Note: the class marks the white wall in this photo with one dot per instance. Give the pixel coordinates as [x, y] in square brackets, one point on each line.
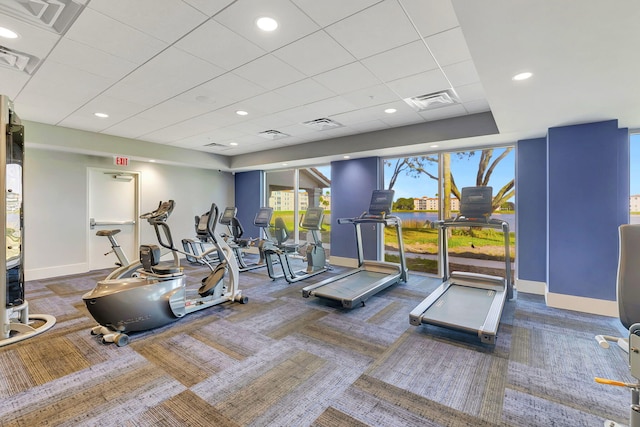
[55, 205]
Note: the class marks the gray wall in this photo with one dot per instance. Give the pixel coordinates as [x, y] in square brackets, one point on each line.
[56, 205]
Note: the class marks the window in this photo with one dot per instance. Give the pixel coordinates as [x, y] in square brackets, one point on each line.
[290, 192]
[428, 188]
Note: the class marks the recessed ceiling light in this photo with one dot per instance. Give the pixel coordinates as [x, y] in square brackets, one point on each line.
[241, 113]
[101, 115]
[7, 33]
[233, 143]
[390, 110]
[434, 145]
[267, 24]
[346, 157]
[152, 161]
[284, 164]
[522, 76]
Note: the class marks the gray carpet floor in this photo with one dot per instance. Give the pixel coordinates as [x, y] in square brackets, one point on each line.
[284, 360]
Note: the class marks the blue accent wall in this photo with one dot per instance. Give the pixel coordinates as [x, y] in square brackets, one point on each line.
[531, 212]
[248, 199]
[352, 182]
[588, 199]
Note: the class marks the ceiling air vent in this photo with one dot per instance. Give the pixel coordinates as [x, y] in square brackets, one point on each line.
[273, 134]
[433, 100]
[56, 15]
[17, 60]
[214, 145]
[322, 124]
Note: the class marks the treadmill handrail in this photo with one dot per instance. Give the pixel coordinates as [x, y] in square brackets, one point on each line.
[462, 221]
[386, 220]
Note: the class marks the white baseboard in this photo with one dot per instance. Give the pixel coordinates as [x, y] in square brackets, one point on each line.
[531, 287]
[343, 262]
[583, 304]
[59, 270]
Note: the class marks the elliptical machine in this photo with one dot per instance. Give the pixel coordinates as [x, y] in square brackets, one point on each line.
[159, 295]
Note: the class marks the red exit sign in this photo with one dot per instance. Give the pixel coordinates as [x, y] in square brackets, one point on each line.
[121, 161]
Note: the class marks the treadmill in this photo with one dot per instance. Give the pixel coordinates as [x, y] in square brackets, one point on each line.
[469, 302]
[370, 277]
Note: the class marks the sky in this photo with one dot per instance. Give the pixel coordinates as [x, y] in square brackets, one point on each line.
[464, 172]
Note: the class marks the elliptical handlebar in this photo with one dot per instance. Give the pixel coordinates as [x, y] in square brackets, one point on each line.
[161, 213]
[214, 212]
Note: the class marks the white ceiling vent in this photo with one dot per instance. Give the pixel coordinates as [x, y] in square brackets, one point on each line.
[433, 100]
[322, 124]
[273, 134]
[17, 60]
[56, 15]
[214, 145]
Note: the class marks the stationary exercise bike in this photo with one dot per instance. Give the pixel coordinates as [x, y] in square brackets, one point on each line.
[159, 295]
[237, 241]
[315, 253]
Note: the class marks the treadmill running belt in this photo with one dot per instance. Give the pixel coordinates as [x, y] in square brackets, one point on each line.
[453, 306]
[351, 286]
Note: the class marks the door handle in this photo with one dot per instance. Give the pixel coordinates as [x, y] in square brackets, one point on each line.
[93, 223]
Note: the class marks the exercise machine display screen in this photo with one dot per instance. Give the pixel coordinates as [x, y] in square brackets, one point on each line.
[476, 202]
[263, 217]
[228, 214]
[381, 202]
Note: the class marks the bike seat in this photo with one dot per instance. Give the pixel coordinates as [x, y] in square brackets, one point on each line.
[107, 232]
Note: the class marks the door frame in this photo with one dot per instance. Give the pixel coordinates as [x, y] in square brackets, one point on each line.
[136, 227]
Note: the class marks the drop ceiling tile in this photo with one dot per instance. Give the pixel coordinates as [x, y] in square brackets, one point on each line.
[172, 133]
[172, 111]
[479, 106]
[330, 106]
[269, 72]
[414, 57]
[241, 18]
[431, 16]
[449, 47]
[124, 41]
[305, 92]
[209, 7]
[368, 97]
[347, 78]
[462, 73]
[420, 84]
[12, 82]
[443, 113]
[221, 91]
[71, 84]
[471, 92]
[166, 75]
[167, 20]
[270, 102]
[43, 109]
[314, 54]
[374, 30]
[302, 114]
[117, 110]
[91, 60]
[326, 12]
[134, 127]
[369, 126]
[226, 49]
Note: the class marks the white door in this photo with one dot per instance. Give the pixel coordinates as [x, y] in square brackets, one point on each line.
[113, 202]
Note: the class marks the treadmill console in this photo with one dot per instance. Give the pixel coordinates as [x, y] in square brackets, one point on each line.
[476, 202]
[381, 202]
